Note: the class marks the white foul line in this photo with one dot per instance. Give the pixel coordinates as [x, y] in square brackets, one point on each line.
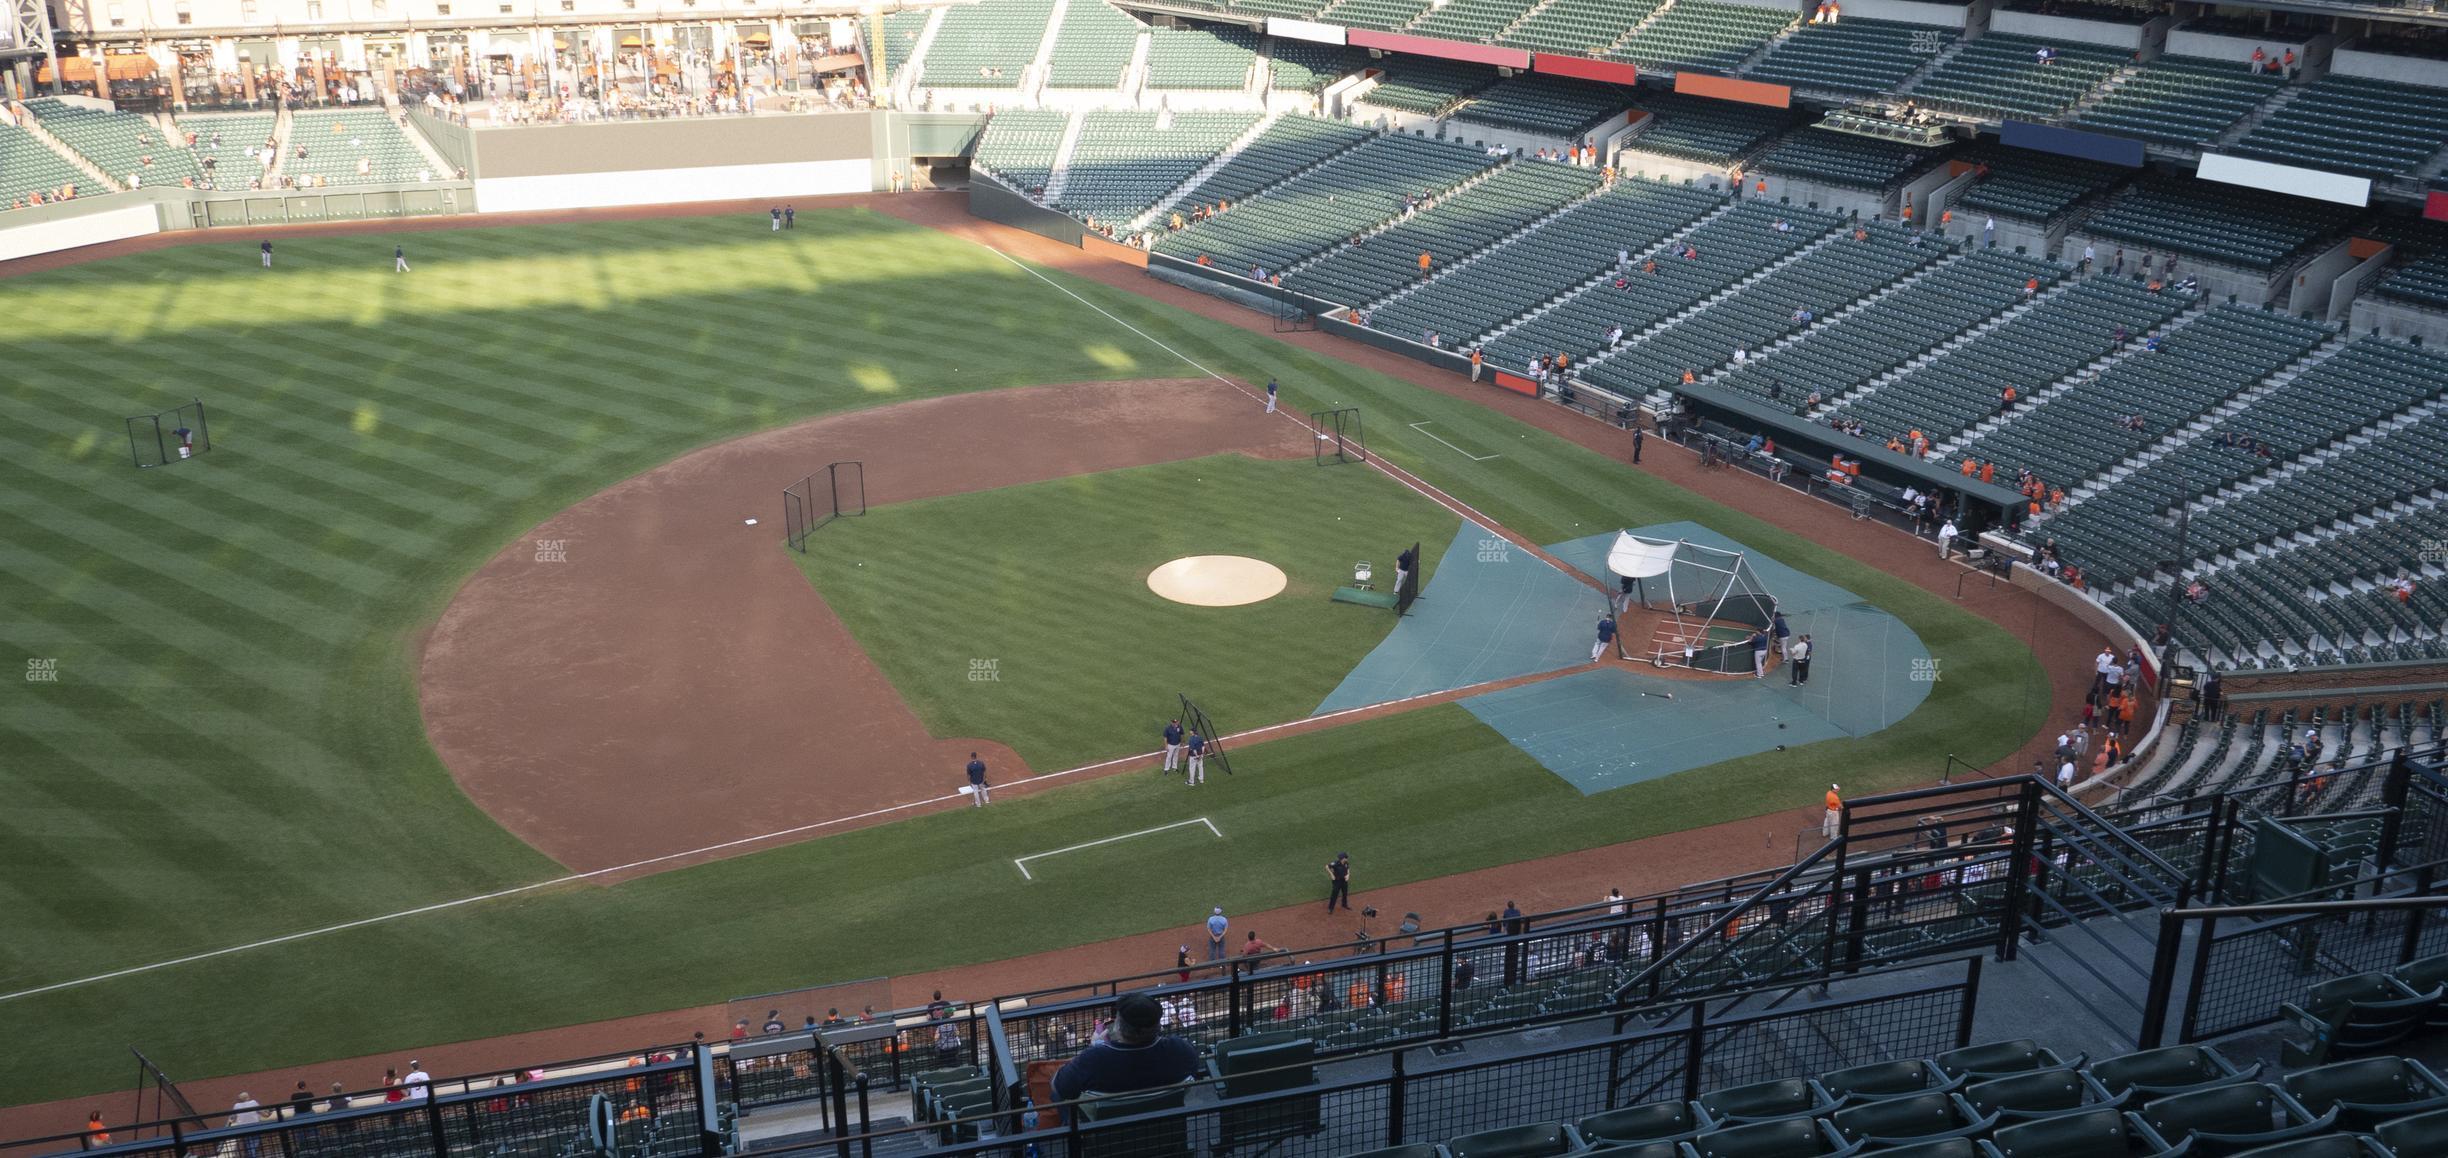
[1422, 427]
[1447, 501]
[1021, 862]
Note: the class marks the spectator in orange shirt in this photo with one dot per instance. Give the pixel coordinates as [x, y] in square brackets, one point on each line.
[1988, 472]
[1970, 467]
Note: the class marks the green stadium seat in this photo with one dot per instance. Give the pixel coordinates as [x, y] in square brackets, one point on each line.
[1200, 59]
[1257, 1065]
[2100, 1133]
[1886, 1079]
[2368, 1091]
[1128, 1139]
[1797, 1137]
[1516, 1142]
[2324, 1146]
[1909, 1120]
[1999, 1058]
[1764, 1101]
[1093, 45]
[2417, 1136]
[2173, 1069]
[2362, 1014]
[2232, 1118]
[1653, 1122]
[2037, 1094]
[986, 45]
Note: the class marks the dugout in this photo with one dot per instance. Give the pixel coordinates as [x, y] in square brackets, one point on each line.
[1883, 472]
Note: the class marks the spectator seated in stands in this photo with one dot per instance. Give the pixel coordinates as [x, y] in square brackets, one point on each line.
[1132, 1055]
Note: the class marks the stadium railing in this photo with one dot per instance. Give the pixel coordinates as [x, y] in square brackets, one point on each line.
[664, 1107]
[1393, 1095]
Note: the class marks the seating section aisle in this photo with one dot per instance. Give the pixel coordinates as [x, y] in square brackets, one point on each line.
[1286, 147]
[1729, 248]
[1842, 159]
[1019, 146]
[1092, 46]
[985, 45]
[1578, 27]
[130, 148]
[1331, 203]
[2355, 124]
[1428, 87]
[1867, 56]
[1471, 20]
[351, 146]
[1850, 351]
[1208, 59]
[901, 31]
[2001, 76]
[1700, 129]
[1300, 66]
[2178, 100]
[1830, 278]
[2234, 226]
[2362, 384]
[2031, 185]
[2076, 435]
[1452, 229]
[2057, 336]
[1703, 34]
[1536, 268]
[1541, 104]
[1123, 162]
[29, 167]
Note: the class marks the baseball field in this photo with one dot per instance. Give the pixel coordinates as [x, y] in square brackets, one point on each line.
[464, 603]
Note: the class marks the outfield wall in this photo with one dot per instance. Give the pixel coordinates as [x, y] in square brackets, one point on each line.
[661, 162]
[159, 209]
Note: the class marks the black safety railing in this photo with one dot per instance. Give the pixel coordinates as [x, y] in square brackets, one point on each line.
[659, 1104]
[2223, 968]
[1400, 1094]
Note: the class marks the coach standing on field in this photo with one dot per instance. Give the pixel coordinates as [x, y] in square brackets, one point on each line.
[1173, 744]
[977, 781]
[1338, 877]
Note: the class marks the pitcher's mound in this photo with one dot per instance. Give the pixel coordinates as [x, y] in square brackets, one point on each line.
[1217, 580]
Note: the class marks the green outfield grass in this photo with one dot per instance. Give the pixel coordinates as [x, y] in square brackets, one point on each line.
[232, 750]
[1049, 581]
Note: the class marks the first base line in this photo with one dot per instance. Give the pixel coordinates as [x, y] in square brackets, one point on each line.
[1021, 863]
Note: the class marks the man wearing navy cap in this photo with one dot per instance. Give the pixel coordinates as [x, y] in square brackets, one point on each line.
[1338, 876]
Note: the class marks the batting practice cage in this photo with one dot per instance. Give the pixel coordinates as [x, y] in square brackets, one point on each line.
[837, 491]
[1710, 599]
[1338, 436]
[1195, 718]
[169, 436]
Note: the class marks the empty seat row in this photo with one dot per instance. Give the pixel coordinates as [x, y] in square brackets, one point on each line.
[1124, 162]
[2182, 101]
[2000, 76]
[2083, 431]
[2233, 226]
[1200, 58]
[1729, 247]
[2054, 337]
[1542, 104]
[1284, 148]
[1545, 263]
[986, 45]
[1703, 34]
[1019, 146]
[2355, 124]
[1093, 45]
[1865, 56]
[1450, 231]
[1428, 87]
[1329, 204]
[1949, 298]
[1842, 159]
[1700, 129]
